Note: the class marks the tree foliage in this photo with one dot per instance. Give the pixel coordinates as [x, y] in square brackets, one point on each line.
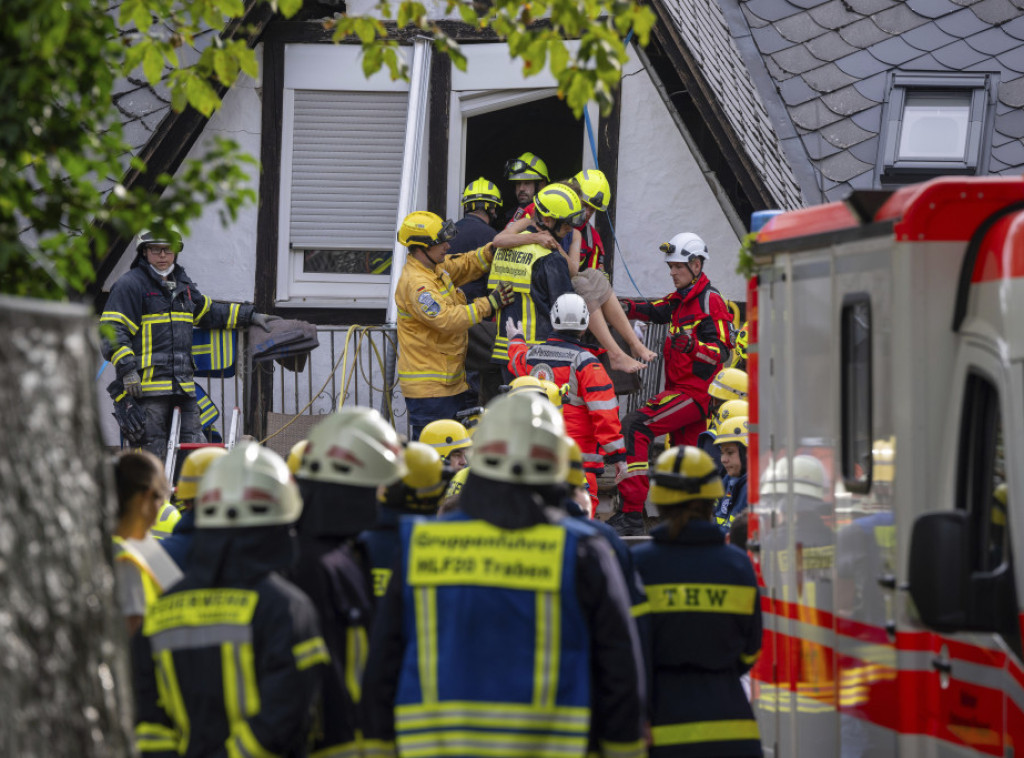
[63, 154]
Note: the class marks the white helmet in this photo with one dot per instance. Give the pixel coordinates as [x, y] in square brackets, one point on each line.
[683, 248]
[521, 440]
[570, 313]
[808, 477]
[250, 486]
[354, 446]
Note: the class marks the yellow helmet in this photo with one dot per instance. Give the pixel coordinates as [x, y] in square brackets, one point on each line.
[576, 476]
[682, 474]
[425, 229]
[423, 483]
[594, 188]
[742, 341]
[192, 471]
[521, 383]
[527, 168]
[294, 459]
[481, 191]
[455, 486]
[445, 435]
[734, 309]
[561, 203]
[729, 384]
[883, 460]
[734, 430]
[553, 391]
[731, 409]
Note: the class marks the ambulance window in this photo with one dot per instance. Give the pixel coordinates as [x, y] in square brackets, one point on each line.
[855, 352]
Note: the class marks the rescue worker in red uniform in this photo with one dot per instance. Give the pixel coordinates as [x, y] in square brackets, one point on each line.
[590, 409]
[696, 346]
[705, 617]
[230, 659]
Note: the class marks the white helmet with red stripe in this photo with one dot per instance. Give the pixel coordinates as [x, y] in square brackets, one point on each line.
[521, 440]
[250, 486]
[355, 447]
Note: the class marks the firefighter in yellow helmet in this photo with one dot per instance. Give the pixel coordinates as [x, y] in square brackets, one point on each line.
[179, 544]
[732, 441]
[528, 175]
[704, 591]
[472, 602]
[451, 441]
[434, 318]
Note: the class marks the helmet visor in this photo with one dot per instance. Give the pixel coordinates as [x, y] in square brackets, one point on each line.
[448, 231]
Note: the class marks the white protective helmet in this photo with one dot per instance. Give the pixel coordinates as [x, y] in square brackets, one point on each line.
[570, 313]
[354, 446]
[521, 440]
[250, 486]
[683, 248]
[808, 477]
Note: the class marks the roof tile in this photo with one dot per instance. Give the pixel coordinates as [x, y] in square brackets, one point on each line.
[771, 10]
[874, 87]
[754, 21]
[844, 134]
[1015, 28]
[932, 8]
[963, 23]
[997, 166]
[1012, 93]
[799, 28]
[861, 65]
[833, 14]
[829, 47]
[1011, 124]
[998, 138]
[1013, 59]
[795, 91]
[894, 51]
[806, 4]
[992, 41]
[1012, 153]
[958, 56]
[863, 33]
[866, 151]
[847, 101]
[828, 78]
[925, 63]
[796, 60]
[995, 11]
[898, 19]
[927, 38]
[817, 148]
[769, 40]
[867, 7]
[871, 119]
[842, 167]
[967, 3]
[813, 115]
[776, 73]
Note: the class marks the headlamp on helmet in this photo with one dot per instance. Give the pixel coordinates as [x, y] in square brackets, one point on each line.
[683, 248]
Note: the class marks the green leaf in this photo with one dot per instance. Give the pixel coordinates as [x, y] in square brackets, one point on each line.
[152, 63]
[559, 56]
[289, 8]
[201, 95]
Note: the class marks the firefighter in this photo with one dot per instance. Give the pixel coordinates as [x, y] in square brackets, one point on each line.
[179, 544]
[416, 493]
[732, 442]
[351, 453]
[142, 566]
[450, 439]
[231, 658]
[537, 274]
[696, 346]
[705, 617]
[706, 440]
[151, 311]
[591, 410]
[528, 175]
[502, 632]
[728, 384]
[434, 318]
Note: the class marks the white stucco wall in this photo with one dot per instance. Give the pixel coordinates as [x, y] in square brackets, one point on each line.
[661, 192]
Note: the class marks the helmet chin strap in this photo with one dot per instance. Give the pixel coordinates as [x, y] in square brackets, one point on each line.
[693, 275]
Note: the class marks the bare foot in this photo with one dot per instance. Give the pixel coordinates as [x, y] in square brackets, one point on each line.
[622, 362]
[641, 353]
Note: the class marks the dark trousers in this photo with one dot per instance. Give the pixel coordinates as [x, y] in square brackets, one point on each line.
[423, 410]
[158, 422]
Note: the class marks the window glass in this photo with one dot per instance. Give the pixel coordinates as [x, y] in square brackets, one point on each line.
[856, 392]
[934, 125]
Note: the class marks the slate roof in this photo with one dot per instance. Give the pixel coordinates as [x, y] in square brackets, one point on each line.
[820, 68]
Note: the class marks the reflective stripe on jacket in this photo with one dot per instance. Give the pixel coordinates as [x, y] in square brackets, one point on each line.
[153, 327]
[434, 320]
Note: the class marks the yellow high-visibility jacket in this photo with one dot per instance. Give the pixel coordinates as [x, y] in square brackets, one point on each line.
[434, 320]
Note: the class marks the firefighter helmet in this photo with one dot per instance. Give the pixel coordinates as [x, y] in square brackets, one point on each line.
[523, 384]
[682, 474]
[808, 477]
[481, 191]
[729, 384]
[193, 468]
[526, 168]
[577, 477]
[570, 313]
[445, 435]
[250, 486]
[172, 239]
[553, 391]
[423, 483]
[521, 440]
[732, 409]
[739, 352]
[294, 458]
[425, 229]
[594, 189]
[561, 203]
[733, 430]
[354, 446]
[683, 248]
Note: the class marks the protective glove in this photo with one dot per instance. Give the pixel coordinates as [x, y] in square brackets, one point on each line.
[132, 384]
[501, 296]
[620, 471]
[684, 342]
[513, 328]
[131, 419]
[262, 319]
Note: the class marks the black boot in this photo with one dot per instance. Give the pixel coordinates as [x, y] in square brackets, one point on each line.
[628, 524]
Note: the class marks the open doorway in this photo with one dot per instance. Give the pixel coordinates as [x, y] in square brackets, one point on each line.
[545, 127]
